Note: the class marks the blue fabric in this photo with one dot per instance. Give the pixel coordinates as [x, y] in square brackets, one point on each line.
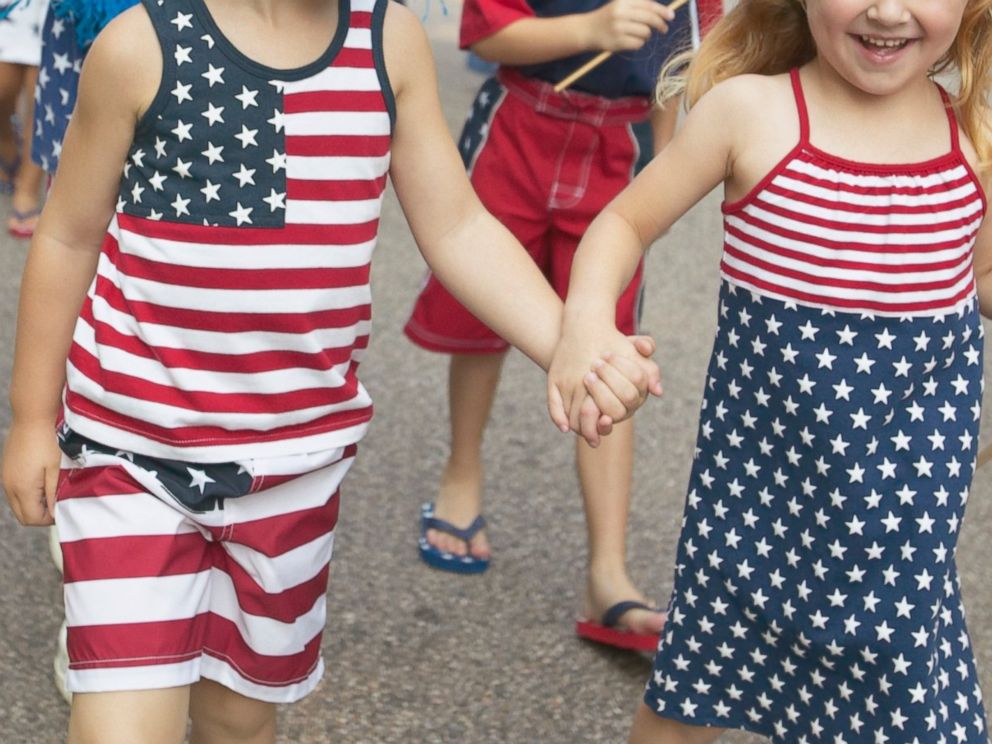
[816, 593]
[624, 73]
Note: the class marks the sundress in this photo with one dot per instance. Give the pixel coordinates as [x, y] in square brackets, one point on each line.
[816, 593]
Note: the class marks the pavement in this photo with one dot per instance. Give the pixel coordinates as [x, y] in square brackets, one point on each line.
[416, 655]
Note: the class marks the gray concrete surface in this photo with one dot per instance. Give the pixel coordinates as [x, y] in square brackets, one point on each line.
[414, 655]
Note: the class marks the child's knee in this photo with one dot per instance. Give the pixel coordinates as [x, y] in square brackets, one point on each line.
[222, 715]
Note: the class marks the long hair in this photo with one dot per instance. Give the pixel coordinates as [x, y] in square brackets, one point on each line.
[769, 37]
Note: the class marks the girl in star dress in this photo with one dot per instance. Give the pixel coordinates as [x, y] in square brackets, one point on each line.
[194, 309]
[816, 595]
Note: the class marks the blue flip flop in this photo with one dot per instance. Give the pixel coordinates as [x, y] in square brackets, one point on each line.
[440, 559]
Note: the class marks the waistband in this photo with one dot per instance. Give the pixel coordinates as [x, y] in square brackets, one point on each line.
[574, 105]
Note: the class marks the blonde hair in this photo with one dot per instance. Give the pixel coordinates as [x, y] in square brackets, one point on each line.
[770, 37]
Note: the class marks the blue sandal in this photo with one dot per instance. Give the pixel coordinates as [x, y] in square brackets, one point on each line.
[440, 559]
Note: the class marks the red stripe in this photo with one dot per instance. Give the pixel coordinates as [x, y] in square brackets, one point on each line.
[884, 190]
[886, 230]
[193, 436]
[854, 284]
[261, 361]
[850, 303]
[338, 145]
[248, 236]
[884, 209]
[334, 100]
[101, 480]
[315, 277]
[168, 642]
[209, 402]
[305, 190]
[833, 262]
[354, 57]
[360, 19]
[888, 248]
[136, 556]
[219, 322]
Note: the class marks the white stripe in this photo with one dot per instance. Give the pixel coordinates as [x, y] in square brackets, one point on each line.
[118, 679]
[358, 38]
[170, 417]
[337, 123]
[166, 598]
[284, 571]
[894, 180]
[788, 284]
[224, 452]
[894, 219]
[283, 300]
[119, 515]
[334, 168]
[272, 256]
[332, 212]
[274, 382]
[880, 258]
[336, 79]
[247, 342]
[875, 200]
[870, 238]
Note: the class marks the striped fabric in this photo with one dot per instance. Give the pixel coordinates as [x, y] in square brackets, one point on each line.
[158, 595]
[857, 237]
[231, 307]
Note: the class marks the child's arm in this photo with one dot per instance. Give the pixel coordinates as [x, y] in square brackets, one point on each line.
[118, 80]
[621, 25]
[702, 153]
[477, 258]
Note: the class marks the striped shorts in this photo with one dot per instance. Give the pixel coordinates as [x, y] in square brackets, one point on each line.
[176, 572]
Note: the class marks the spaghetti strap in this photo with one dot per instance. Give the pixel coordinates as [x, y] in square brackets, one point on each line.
[797, 90]
[952, 118]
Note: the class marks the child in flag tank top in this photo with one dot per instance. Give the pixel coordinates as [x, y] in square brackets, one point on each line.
[198, 285]
[816, 594]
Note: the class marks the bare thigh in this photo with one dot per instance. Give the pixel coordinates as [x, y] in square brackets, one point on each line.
[146, 716]
[651, 729]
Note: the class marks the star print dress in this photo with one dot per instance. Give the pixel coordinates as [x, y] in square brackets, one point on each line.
[816, 594]
[231, 306]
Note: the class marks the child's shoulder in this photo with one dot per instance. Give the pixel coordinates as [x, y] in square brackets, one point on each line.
[126, 58]
[751, 93]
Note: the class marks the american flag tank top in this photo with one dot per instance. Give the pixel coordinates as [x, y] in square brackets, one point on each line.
[231, 305]
[858, 237]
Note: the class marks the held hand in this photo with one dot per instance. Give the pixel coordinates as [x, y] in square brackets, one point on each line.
[590, 390]
[625, 25]
[31, 460]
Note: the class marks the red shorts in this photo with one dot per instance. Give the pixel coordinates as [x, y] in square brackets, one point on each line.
[544, 164]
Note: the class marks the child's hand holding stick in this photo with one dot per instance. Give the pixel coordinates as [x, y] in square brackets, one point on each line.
[601, 57]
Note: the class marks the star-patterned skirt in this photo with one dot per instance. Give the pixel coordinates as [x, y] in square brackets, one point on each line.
[816, 593]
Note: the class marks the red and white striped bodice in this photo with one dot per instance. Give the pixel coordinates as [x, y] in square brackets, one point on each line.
[858, 237]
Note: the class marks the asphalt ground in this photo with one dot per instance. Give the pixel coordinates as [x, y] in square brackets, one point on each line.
[415, 655]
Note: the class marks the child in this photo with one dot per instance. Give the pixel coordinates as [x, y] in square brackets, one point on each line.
[211, 406]
[816, 595]
[20, 54]
[545, 164]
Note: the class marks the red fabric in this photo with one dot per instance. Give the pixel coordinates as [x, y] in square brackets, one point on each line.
[482, 18]
[710, 11]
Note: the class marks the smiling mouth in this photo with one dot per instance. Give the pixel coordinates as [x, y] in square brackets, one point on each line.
[882, 44]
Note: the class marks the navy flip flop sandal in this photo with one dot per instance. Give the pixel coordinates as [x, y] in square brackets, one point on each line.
[440, 559]
[606, 631]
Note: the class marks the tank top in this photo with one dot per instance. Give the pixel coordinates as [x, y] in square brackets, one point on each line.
[231, 305]
[858, 237]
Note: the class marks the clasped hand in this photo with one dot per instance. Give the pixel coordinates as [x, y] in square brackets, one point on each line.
[600, 379]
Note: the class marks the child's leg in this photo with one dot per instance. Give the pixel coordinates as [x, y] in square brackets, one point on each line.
[472, 383]
[222, 716]
[651, 729]
[146, 716]
[27, 185]
[11, 79]
[605, 479]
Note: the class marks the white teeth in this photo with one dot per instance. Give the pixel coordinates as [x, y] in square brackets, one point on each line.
[883, 43]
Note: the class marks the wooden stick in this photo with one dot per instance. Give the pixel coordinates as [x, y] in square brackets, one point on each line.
[600, 58]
